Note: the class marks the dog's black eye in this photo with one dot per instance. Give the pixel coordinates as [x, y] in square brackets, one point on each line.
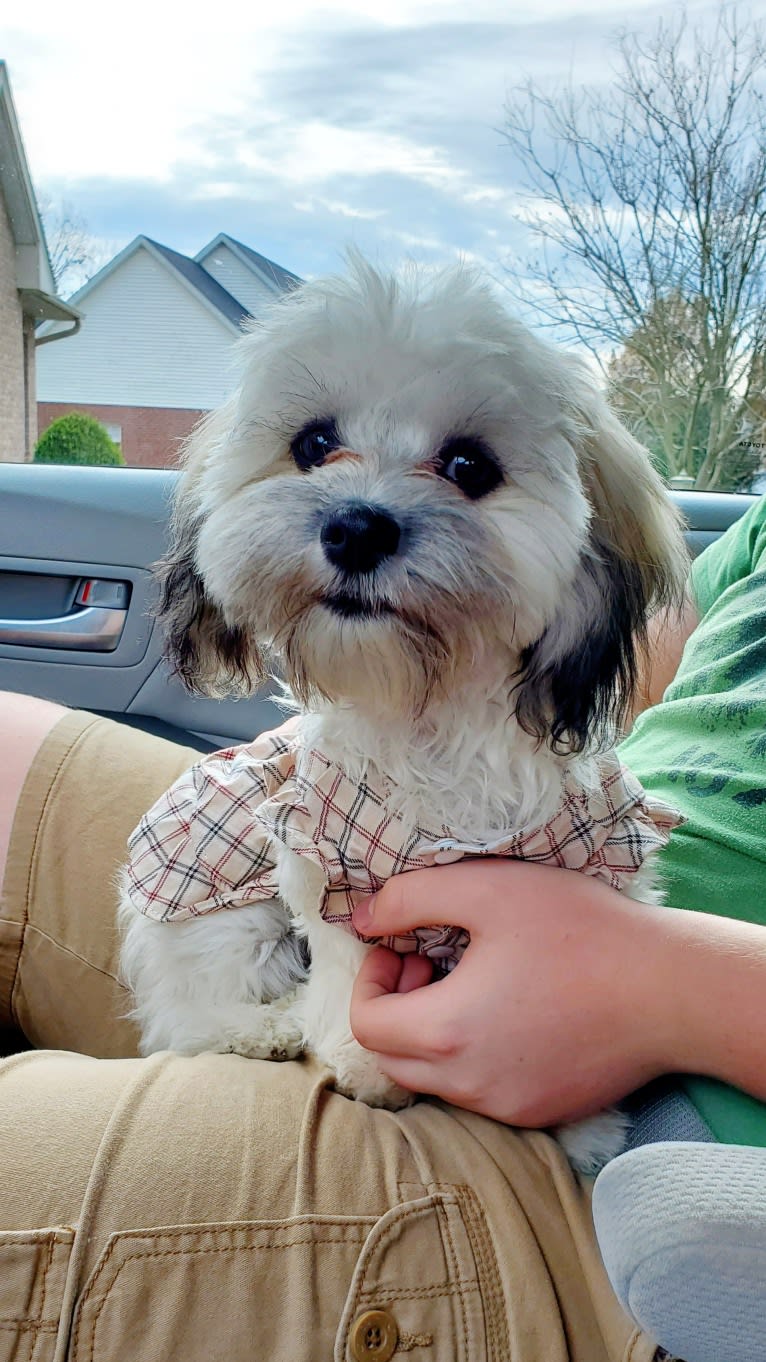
[470, 466]
[311, 445]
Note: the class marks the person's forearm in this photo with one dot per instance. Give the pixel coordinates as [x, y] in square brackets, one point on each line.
[667, 635]
[711, 988]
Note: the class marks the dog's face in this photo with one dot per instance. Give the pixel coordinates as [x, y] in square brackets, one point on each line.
[408, 489]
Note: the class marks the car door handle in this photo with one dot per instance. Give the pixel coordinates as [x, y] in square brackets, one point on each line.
[94, 629]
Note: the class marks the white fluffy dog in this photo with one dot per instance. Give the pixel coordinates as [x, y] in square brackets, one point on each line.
[434, 525]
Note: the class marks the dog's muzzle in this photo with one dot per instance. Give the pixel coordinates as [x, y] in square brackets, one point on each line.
[356, 537]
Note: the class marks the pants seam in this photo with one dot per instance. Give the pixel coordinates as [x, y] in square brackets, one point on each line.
[443, 1218]
[54, 778]
[67, 950]
[415, 1293]
[492, 1298]
[30, 1326]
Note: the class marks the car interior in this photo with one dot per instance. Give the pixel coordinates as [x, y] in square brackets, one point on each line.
[76, 595]
[618, 223]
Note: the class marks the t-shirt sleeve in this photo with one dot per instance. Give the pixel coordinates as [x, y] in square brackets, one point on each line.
[200, 848]
[731, 558]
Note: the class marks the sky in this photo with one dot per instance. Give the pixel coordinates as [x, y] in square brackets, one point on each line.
[301, 131]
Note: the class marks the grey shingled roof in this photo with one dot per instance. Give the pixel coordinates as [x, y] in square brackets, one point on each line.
[205, 283]
[284, 278]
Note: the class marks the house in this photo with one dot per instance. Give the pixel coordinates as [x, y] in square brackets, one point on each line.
[154, 353]
[27, 289]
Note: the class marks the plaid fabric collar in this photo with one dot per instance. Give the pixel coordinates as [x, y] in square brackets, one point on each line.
[210, 842]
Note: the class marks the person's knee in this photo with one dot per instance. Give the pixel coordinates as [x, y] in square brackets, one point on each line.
[25, 722]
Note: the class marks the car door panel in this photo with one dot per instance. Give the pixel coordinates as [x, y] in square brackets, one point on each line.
[64, 526]
[709, 514]
[161, 696]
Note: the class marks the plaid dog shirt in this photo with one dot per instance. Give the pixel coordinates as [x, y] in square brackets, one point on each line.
[209, 843]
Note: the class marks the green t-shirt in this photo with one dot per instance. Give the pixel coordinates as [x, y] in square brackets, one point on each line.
[704, 750]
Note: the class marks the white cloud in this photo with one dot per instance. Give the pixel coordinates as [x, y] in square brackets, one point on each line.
[216, 189]
[412, 239]
[486, 194]
[134, 110]
[301, 123]
[317, 152]
[343, 210]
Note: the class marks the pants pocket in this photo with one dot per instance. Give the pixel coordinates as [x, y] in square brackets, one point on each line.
[417, 1284]
[33, 1268]
[234, 1292]
[426, 1286]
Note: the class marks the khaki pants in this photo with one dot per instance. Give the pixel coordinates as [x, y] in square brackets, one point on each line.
[224, 1208]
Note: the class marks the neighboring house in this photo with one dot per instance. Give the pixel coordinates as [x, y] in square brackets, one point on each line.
[27, 289]
[155, 351]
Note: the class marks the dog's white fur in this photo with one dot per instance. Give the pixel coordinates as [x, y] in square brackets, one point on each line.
[469, 692]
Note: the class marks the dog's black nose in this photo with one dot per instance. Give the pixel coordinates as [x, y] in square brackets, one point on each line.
[357, 537]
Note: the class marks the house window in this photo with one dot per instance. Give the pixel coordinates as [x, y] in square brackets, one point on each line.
[114, 433]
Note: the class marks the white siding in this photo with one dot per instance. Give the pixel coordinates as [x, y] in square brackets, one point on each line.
[146, 341]
[240, 280]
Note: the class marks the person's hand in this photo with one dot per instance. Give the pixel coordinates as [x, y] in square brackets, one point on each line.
[554, 1011]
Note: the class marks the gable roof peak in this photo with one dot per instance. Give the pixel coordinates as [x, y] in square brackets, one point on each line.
[193, 276]
[279, 279]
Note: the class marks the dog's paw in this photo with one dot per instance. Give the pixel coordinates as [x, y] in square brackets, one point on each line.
[357, 1075]
[257, 1031]
[592, 1143]
[274, 1033]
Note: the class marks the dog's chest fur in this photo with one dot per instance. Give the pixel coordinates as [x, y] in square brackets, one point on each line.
[475, 779]
[474, 783]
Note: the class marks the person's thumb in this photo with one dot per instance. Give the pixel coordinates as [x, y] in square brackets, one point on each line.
[405, 902]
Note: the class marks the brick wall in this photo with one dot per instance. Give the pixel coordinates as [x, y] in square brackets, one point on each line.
[13, 446]
[151, 436]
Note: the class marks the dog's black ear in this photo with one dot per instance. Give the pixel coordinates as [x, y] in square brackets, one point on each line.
[211, 656]
[577, 681]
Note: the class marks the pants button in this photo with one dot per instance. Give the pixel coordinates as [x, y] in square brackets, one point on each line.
[374, 1336]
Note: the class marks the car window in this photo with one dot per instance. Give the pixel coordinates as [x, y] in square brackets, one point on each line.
[601, 165]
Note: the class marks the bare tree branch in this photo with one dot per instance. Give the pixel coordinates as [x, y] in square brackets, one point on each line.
[73, 252]
[649, 205]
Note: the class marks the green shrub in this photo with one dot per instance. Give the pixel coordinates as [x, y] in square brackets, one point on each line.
[77, 438]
